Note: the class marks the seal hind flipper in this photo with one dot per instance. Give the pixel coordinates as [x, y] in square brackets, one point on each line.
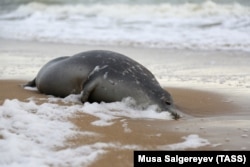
[31, 83]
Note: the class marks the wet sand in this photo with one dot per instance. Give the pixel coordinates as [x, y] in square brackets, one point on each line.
[212, 94]
[207, 114]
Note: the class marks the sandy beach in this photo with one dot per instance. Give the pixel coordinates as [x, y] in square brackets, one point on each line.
[199, 51]
[210, 88]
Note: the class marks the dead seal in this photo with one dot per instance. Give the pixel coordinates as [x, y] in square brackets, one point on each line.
[101, 75]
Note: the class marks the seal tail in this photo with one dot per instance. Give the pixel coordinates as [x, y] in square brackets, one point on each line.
[31, 83]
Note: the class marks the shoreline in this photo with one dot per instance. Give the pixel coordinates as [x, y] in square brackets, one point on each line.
[202, 108]
[211, 88]
[197, 102]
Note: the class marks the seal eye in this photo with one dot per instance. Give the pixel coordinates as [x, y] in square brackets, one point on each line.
[167, 102]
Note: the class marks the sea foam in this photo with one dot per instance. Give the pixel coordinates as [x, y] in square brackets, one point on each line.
[36, 135]
[33, 134]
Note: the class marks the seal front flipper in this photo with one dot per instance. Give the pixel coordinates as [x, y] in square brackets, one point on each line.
[93, 80]
[31, 83]
[87, 89]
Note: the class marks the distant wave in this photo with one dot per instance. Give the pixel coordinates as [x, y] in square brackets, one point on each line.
[196, 26]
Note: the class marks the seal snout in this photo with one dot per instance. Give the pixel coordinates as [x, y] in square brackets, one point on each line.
[171, 109]
[175, 115]
[174, 112]
[166, 104]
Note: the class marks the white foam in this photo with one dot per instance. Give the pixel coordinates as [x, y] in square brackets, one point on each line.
[31, 133]
[191, 141]
[31, 88]
[107, 112]
[35, 135]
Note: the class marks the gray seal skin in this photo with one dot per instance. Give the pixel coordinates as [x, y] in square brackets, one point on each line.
[103, 76]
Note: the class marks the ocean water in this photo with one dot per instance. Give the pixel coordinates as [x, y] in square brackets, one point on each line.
[180, 24]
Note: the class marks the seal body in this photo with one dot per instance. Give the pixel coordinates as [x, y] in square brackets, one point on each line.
[101, 75]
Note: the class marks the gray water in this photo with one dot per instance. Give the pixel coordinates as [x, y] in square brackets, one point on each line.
[179, 24]
[12, 4]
